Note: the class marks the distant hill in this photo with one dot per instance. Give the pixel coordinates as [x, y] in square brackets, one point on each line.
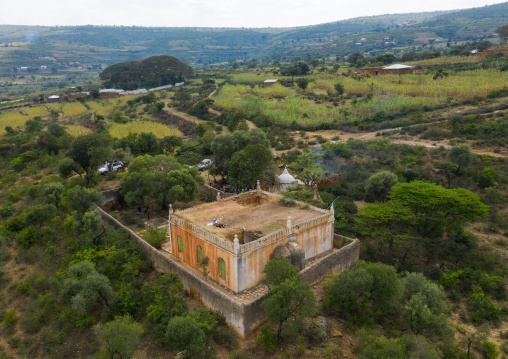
[107, 45]
[152, 72]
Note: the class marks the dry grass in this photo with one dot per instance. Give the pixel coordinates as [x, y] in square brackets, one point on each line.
[13, 119]
[76, 130]
[160, 130]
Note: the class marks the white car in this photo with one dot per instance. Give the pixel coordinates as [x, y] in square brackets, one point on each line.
[111, 166]
[204, 164]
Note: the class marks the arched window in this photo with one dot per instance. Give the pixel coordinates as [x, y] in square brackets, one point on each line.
[180, 244]
[222, 266]
[200, 254]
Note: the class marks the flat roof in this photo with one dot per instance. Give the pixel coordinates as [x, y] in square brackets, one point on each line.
[271, 80]
[264, 214]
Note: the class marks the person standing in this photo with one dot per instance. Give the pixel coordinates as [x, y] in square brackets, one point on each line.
[148, 214]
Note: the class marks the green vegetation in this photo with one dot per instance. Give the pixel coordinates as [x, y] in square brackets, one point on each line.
[152, 72]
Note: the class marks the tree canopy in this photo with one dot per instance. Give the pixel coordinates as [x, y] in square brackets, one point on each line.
[152, 72]
[160, 179]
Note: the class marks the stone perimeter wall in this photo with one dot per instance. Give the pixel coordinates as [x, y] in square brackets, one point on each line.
[244, 318]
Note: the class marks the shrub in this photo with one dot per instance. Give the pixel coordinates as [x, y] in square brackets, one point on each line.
[267, 338]
[204, 318]
[156, 236]
[6, 211]
[184, 333]
[489, 350]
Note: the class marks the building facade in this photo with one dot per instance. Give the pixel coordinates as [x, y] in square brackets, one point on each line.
[241, 234]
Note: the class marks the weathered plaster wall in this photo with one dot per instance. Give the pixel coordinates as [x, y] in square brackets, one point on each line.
[334, 263]
[315, 237]
[242, 317]
[189, 256]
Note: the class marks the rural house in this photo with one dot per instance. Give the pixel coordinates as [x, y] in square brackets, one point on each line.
[270, 82]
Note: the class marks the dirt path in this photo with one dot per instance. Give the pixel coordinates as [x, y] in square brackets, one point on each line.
[214, 91]
[331, 135]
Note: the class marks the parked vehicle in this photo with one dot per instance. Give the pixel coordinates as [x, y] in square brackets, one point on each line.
[204, 164]
[111, 166]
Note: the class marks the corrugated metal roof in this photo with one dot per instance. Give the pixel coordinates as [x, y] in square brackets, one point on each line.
[397, 67]
[271, 80]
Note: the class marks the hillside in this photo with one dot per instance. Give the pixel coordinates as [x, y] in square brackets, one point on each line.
[106, 45]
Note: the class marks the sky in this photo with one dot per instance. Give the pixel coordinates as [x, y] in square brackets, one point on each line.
[212, 13]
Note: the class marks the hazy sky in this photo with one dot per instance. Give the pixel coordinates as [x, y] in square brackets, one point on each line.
[213, 13]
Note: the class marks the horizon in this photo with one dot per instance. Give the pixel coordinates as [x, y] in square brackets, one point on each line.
[216, 14]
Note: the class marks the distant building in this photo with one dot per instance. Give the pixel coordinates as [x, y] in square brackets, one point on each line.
[396, 69]
[270, 82]
[109, 93]
[53, 98]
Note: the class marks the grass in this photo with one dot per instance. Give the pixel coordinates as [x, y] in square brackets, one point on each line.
[13, 119]
[160, 130]
[391, 94]
[76, 130]
[73, 109]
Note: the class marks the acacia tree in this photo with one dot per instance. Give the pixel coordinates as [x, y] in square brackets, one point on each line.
[307, 168]
[419, 213]
[461, 155]
[289, 298]
[302, 83]
[339, 87]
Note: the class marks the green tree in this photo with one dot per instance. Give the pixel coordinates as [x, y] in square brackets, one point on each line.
[375, 346]
[289, 299]
[90, 151]
[82, 199]
[184, 333]
[422, 211]
[440, 73]
[502, 33]
[356, 59]
[84, 287]
[339, 87]
[169, 144]
[461, 155]
[379, 185]
[53, 193]
[224, 146]
[67, 167]
[248, 165]
[120, 337]
[302, 83]
[308, 169]
[164, 298]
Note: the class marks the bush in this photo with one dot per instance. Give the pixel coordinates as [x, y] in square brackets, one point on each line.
[156, 236]
[204, 318]
[6, 211]
[267, 338]
[184, 333]
[489, 350]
